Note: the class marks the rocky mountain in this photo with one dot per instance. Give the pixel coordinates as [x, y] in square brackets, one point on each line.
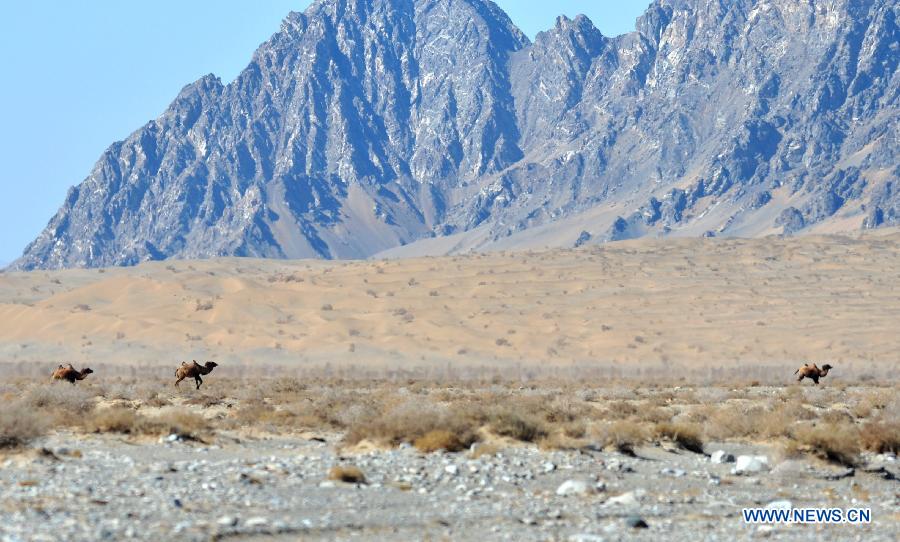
[437, 126]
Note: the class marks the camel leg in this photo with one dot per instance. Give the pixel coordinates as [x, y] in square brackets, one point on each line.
[199, 381]
[179, 380]
[816, 380]
[800, 379]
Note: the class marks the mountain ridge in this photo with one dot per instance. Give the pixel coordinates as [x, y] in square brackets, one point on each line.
[366, 125]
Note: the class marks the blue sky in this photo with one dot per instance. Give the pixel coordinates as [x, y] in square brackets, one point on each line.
[78, 76]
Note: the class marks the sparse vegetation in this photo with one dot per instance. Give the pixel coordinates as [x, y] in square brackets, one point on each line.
[348, 474]
[837, 443]
[685, 435]
[449, 414]
[19, 425]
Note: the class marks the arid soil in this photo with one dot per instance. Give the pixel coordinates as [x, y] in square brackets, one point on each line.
[751, 307]
[560, 395]
[489, 459]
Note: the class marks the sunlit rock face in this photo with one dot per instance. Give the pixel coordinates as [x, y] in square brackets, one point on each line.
[365, 125]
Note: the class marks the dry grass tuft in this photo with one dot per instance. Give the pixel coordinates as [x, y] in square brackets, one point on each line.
[837, 443]
[441, 439]
[411, 421]
[348, 474]
[113, 420]
[19, 425]
[881, 436]
[508, 422]
[60, 397]
[620, 436]
[687, 436]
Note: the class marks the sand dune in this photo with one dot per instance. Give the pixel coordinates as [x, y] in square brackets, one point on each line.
[679, 302]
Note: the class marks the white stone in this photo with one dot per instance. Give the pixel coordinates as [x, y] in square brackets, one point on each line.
[256, 522]
[750, 464]
[625, 499]
[721, 456]
[227, 521]
[452, 470]
[574, 487]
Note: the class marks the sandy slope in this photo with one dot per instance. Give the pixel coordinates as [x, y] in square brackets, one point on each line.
[690, 302]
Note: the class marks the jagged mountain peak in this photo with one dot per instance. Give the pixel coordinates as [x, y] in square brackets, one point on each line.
[366, 125]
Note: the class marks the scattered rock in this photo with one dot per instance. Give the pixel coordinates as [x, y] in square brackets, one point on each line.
[256, 522]
[574, 487]
[747, 464]
[837, 475]
[227, 521]
[881, 472]
[585, 537]
[780, 505]
[721, 456]
[636, 522]
[625, 499]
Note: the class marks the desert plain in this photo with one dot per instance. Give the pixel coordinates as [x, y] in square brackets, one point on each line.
[634, 390]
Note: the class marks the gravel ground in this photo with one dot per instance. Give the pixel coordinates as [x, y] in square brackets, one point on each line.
[107, 488]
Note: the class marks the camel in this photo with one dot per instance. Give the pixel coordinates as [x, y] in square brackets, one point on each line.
[194, 370]
[812, 372]
[70, 374]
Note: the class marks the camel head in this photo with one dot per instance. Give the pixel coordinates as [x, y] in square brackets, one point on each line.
[86, 371]
[826, 367]
[211, 365]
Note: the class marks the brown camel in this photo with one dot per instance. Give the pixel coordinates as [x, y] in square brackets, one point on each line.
[194, 370]
[812, 372]
[70, 374]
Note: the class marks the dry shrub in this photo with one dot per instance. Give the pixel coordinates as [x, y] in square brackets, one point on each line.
[559, 410]
[619, 410]
[409, 422]
[19, 425]
[731, 421]
[441, 439]
[741, 421]
[60, 397]
[837, 443]
[620, 436]
[289, 387]
[508, 422]
[881, 436]
[873, 401]
[204, 400]
[574, 429]
[112, 420]
[687, 436]
[348, 474]
[654, 414]
[157, 400]
[175, 422]
[836, 416]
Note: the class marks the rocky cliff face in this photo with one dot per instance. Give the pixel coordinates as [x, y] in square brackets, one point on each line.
[364, 125]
